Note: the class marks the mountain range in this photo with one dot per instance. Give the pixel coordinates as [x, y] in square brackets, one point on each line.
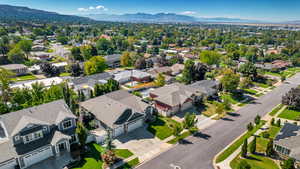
[17, 13]
[9, 13]
[163, 18]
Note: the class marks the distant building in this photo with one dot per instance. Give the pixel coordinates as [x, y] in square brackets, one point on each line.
[113, 61]
[18, 69]
[132, 75]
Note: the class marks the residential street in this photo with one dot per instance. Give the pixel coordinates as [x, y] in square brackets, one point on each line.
[198, 152]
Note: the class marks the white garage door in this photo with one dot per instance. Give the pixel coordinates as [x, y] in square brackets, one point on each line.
[9, 164]
[118, 131]
[38, 156]
[135, 125]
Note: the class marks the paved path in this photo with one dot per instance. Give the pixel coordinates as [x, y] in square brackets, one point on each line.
[198, 152]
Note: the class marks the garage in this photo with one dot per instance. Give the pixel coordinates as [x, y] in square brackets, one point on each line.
[8, 164]
[37, 156]
[137, 124]
[118, 131]
[186, 105]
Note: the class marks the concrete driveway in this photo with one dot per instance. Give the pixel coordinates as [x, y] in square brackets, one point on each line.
[142, 143]
[54, 162]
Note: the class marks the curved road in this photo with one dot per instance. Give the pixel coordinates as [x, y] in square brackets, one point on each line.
[198, 152]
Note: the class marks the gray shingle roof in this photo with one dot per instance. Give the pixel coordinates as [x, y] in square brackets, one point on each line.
[289, 137]
[207, 87]
[47, 113]
[13, 66]
[110, 107]
[174, 94]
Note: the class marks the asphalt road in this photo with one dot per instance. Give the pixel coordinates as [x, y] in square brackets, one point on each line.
[198, 152]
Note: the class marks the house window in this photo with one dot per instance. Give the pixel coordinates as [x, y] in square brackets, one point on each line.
[33, 136]
[73, 138]
[67, 124]
[45, 128]
[17, 138]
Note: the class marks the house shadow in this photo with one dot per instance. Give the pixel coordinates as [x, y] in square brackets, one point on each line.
[202, 135]
[138, 134]
[193, 109]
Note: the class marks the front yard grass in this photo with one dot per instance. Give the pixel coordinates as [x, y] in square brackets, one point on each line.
[92, 159]
[262, 85]
[255, 161]
[123, 153]
[23, 78]
[233, 147]
[161, 127]
[130, 164]
[276, 109]
[180, 137]
[290, 114]
[251, 91]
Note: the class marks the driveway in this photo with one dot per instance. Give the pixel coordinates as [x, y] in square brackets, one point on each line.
[200, 152]
[54, 162]
[142, 143]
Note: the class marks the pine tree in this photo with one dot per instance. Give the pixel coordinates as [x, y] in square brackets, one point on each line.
[253, 146]
[270, 150]
[244, 149]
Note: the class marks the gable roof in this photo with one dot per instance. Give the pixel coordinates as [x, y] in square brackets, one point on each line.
[207, 87]
[115, 106]
[174, 94]
[48, 113]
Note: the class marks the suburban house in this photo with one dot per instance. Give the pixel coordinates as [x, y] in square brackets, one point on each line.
[118, 112]
[61, 66]
[32, 135]
[113, 61]
[173, 98]
[46, 82]
[287, 142]
[40, 55]
[177, 69]
[86, 84]
[208, 88]
[17, 69]
[132, 75]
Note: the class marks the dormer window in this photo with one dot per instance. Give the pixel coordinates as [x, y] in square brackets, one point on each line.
[67, 124]
[45, 128]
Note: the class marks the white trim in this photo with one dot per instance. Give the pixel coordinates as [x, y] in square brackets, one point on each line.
[32, 136]
[70, 120]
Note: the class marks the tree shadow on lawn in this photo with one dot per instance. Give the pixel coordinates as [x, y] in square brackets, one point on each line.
[202, 135]
[252, 158]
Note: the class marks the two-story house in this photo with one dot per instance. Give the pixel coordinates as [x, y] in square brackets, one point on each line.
[32, 135]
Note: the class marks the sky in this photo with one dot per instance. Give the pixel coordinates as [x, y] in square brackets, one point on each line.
[265, 10]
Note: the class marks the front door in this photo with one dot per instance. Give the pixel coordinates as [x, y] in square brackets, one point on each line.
[61, 147]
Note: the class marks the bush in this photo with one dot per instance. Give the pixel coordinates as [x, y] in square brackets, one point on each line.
[266, 134]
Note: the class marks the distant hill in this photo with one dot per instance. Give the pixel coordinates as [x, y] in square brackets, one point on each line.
[144, 17]
[16, 13]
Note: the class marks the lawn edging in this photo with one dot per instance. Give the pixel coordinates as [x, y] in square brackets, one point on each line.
[234, 145]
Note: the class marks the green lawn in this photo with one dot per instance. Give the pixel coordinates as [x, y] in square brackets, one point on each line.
[251, 91]
[256, 162]
[123, 153]
[182, 136]
[273, 74]
[276, 109]
[23, 78]
[92, 159]
[290, 114]
[233, 147]
[262, 85]
[65, 74]
[130, 164]
[161, 127]
[232, 99]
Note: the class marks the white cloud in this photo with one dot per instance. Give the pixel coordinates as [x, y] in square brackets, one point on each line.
[93, 8]
[188, 13]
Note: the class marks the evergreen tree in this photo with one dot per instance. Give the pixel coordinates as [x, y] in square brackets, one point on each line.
[244, 149]
[253, 146]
